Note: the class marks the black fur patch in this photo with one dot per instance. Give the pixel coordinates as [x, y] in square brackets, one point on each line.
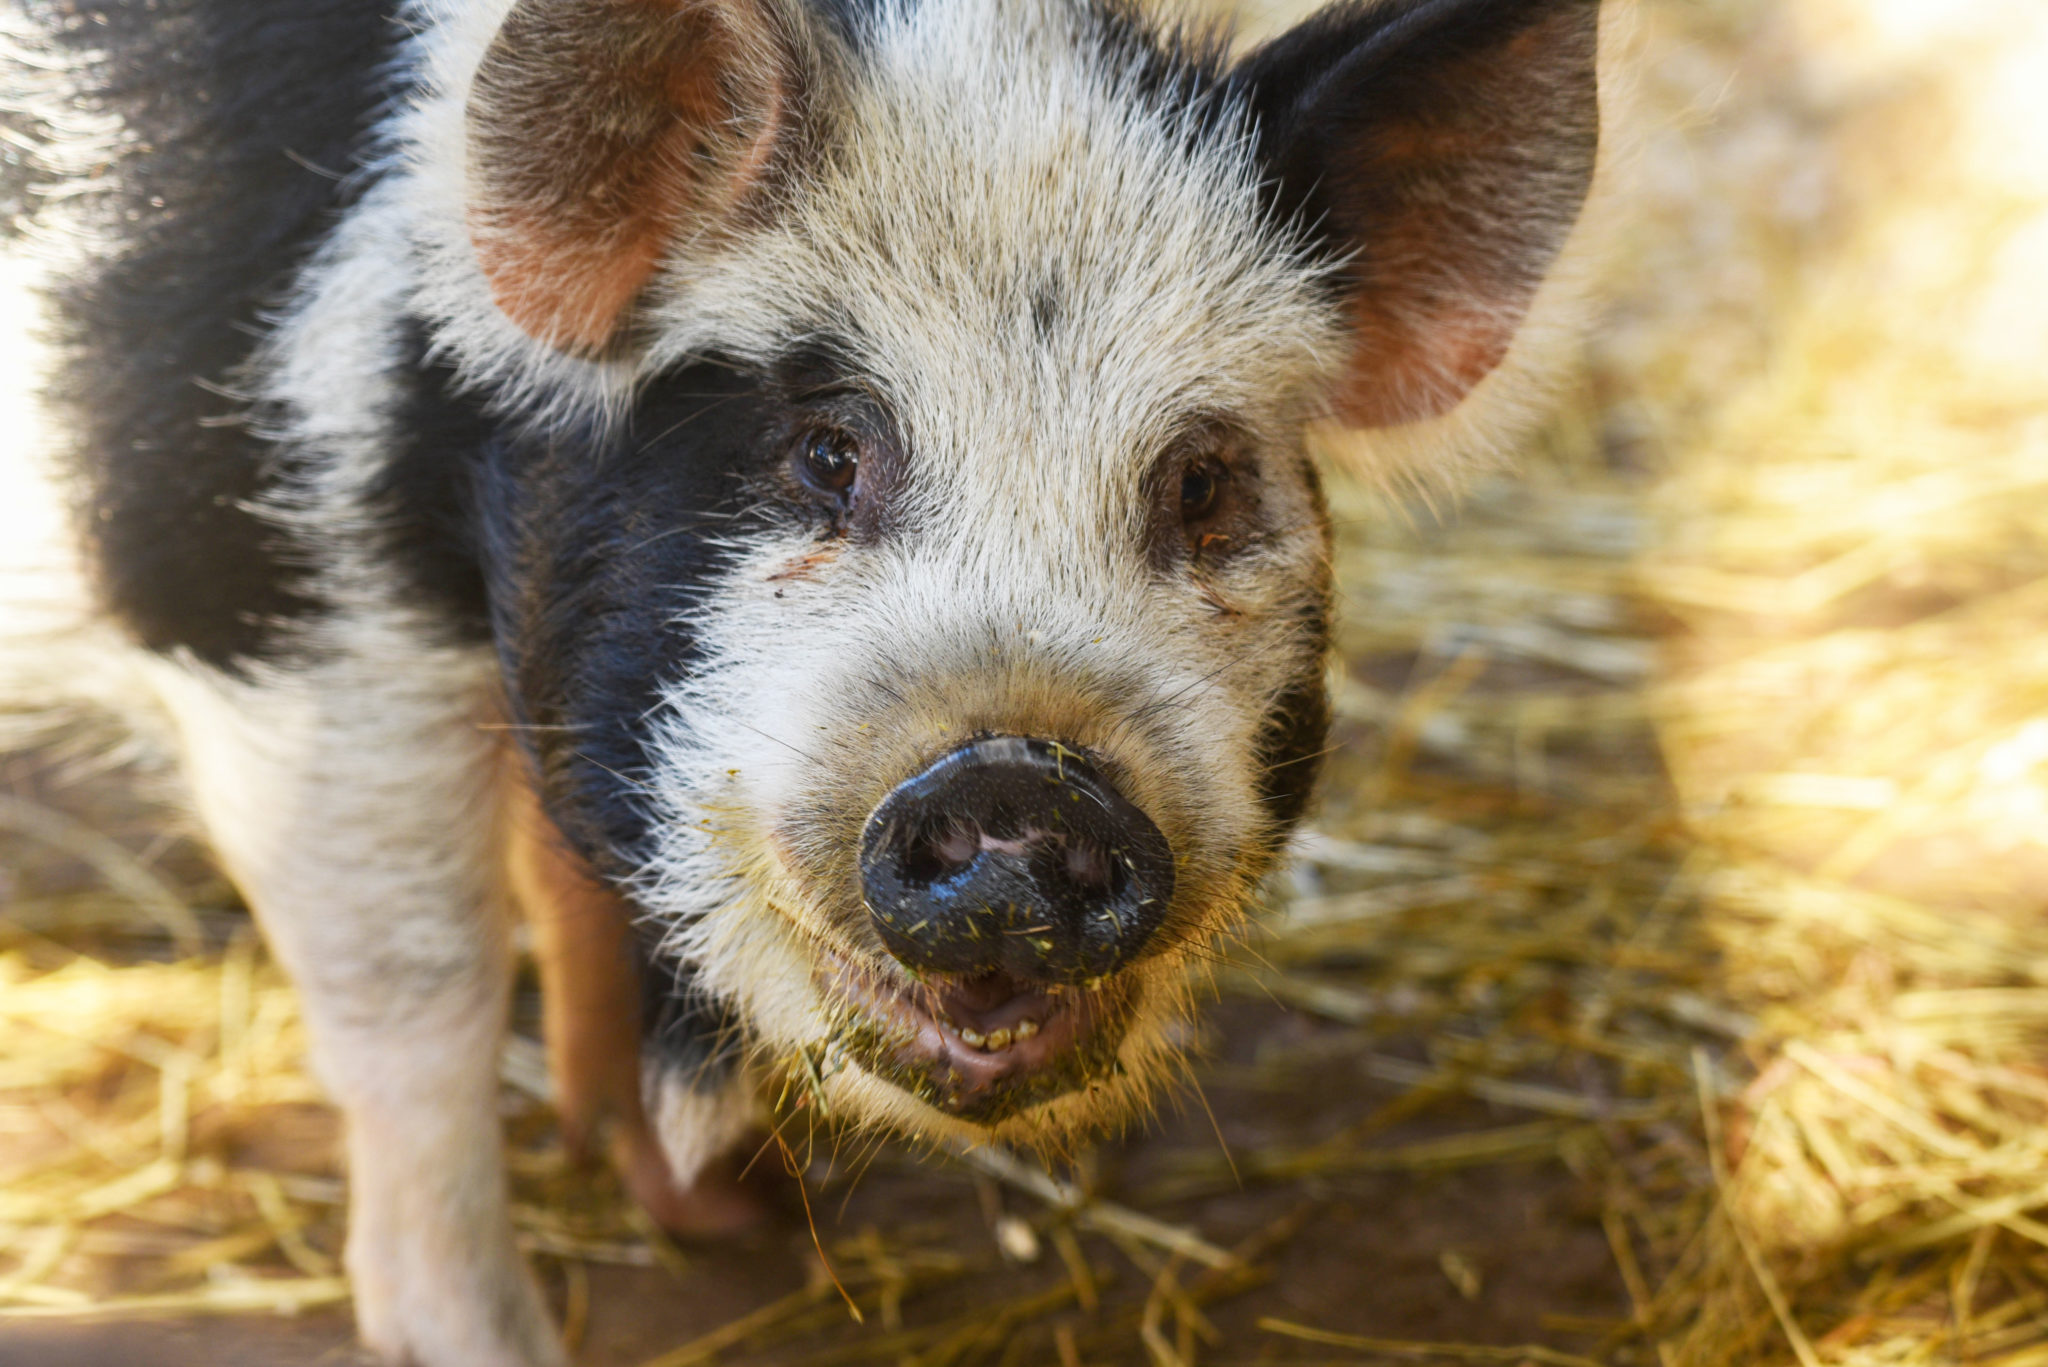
[1047, 307]
[1180, 70]
[244, 117]
[1291, 747]
[1295, 735]
[425, 496]
[688, 1033]
[852, 20]
[597, 551]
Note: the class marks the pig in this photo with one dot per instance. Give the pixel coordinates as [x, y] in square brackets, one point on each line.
[809, 500]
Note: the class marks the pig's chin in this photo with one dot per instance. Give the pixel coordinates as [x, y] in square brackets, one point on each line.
[985, 1049]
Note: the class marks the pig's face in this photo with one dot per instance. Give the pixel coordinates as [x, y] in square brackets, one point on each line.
[1005, 712]
[978, 652]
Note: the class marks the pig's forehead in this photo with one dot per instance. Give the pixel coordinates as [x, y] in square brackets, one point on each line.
[1006, 229]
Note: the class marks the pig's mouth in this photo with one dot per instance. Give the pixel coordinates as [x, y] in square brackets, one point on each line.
[982, 1048]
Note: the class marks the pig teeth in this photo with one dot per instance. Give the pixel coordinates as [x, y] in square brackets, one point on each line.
[997, 1040]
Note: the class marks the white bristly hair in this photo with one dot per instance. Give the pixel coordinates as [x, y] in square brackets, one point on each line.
[989, 155]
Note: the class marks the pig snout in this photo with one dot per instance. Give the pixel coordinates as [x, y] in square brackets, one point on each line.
[1015, 857]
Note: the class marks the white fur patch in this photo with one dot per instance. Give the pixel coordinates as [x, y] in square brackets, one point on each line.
[697, 1124]
[354, 803]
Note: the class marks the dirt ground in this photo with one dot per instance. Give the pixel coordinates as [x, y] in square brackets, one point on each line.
[1369, 1257]
[1502, 1246]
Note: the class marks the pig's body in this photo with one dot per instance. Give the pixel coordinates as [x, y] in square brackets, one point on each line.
[855, 449]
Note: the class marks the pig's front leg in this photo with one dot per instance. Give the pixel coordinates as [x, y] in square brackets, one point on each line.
[592, 1014]
[354, 805]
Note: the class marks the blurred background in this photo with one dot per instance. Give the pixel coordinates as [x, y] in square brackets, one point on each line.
[1665, 982]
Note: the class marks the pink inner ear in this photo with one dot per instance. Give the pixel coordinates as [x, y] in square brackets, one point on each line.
[599, 130]
[567, 292]
[1405, 370]
[1447, 162]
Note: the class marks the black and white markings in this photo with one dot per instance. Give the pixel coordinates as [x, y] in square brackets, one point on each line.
[747, 405]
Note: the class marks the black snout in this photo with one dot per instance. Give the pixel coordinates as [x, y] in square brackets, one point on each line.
[1014, 856]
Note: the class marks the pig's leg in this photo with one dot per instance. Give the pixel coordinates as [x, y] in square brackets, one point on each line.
[354, 805]
[591, 1015]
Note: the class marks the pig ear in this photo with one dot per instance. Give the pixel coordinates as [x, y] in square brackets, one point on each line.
[600, 130]
[1442, 149]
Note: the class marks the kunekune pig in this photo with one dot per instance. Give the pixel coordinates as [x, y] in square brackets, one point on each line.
[854, 450]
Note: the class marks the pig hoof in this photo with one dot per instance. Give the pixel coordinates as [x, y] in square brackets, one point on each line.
[715, 1203]
[483, 1313]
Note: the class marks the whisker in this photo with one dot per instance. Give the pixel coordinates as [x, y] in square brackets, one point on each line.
[1229, 1158]
[793, 749]
[716, 401]
[635, 784]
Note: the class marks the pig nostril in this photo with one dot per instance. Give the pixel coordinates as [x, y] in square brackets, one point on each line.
[940, 850]
[1089, 865]
[960, 843]
[932, 852]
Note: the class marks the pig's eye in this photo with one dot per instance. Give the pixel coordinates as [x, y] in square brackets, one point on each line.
[828, 462]
[1201, 486]
[1202, 498]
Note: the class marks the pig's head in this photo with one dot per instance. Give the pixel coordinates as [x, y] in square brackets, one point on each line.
[910, 570]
